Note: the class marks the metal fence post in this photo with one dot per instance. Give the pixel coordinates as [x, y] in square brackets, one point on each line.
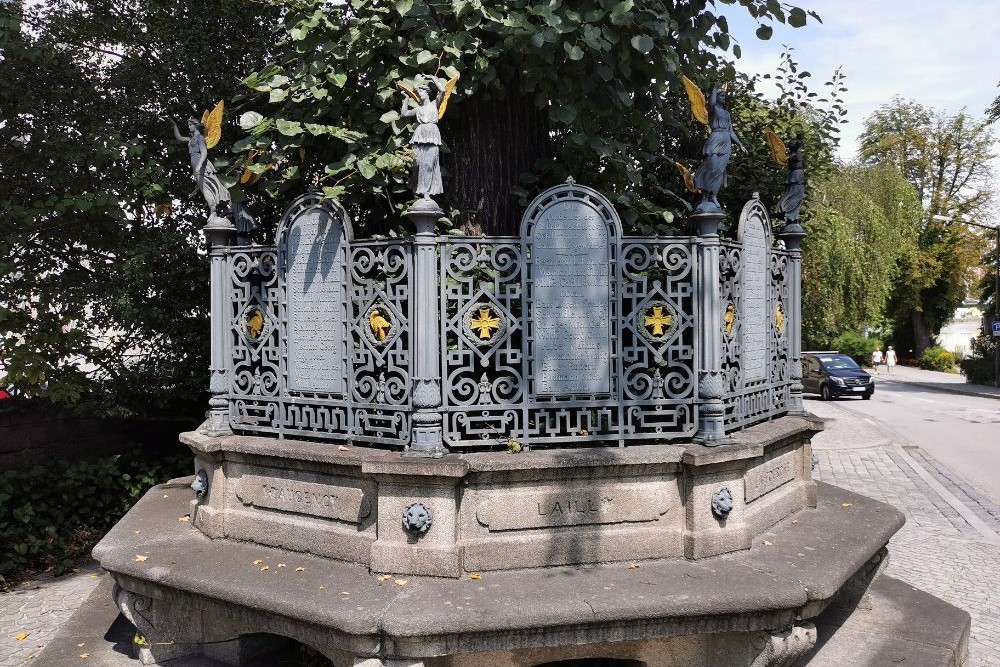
[711, 380]
[792, 235]
[426, 429]
[220, 233]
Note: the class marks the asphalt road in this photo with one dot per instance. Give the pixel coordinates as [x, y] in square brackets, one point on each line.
[960, 431]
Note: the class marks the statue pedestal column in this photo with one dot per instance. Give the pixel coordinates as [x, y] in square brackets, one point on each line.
[792, 235]
[711, 380]
[219, 232]
[426, 428]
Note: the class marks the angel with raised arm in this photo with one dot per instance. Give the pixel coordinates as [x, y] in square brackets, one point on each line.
[426, 140]
[205, 134]
[711, 173]
[790, 156]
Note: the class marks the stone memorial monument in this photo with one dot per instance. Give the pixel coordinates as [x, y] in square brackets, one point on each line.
[357, 490]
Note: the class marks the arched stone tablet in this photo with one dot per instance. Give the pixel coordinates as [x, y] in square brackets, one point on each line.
[754, 233]
[312, 262]
[572, 234]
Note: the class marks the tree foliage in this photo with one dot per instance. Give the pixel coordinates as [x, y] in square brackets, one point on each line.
[547, 90]
[946, 158]
[860, 228]
[104, 288]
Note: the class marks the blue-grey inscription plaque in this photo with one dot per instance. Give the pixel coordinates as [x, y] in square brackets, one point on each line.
[571, 300]
[314, 279]
[755, 239]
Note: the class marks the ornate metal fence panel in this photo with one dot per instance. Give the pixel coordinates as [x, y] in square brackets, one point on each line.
[380, 359]
[253, 337]
[482, 337]
[754, 290]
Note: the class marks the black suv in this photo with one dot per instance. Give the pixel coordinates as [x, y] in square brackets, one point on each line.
[832, 374]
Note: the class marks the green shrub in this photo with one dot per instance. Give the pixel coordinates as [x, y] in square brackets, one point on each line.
[52, 515]
[855, 346]
[937, 359]
[978, 365]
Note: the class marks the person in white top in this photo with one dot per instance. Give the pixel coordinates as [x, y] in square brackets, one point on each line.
[876, 359]
[890, 359]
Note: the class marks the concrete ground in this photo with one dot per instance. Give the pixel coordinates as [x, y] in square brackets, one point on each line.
[950, 546]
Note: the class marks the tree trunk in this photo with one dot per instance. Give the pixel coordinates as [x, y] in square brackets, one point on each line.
[921, 336]
[492, 144]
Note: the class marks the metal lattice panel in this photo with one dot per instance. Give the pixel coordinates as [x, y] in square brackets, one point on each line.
[567, 334]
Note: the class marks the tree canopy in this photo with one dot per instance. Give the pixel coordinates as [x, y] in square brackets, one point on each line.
[546, 91]
[946, 158]
[104, 288]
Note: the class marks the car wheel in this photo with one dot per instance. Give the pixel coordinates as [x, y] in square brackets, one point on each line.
[867, 395]
[824, 392]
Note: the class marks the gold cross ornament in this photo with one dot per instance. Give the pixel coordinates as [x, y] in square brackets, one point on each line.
[658, 320]
[485, 323]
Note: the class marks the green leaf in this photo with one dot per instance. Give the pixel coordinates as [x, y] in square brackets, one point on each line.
[389, 116]
[338, 79]
[277, 95]
[424, 57]
[404, 6]
[367, 169]
[289, 128]
[764, 32]
[573, 52]
[797, 17]
[642, 43]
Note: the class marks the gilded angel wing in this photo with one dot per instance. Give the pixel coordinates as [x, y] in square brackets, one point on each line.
[409, 91]
[213, 124]
[686, 175]
[699, 108]
[778, 150]
[448, 89]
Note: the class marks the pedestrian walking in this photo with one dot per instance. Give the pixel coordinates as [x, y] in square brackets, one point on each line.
[890, 360]
[876, 359]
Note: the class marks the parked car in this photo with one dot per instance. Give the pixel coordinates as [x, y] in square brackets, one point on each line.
[832, 374]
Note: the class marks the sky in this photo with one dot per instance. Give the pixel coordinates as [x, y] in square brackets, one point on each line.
[942, 54]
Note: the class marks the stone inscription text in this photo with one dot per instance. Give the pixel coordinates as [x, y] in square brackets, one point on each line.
[344, 503]
[549, 508]
[768, 476]
[571, 299]
[315, 265]
[755, 310]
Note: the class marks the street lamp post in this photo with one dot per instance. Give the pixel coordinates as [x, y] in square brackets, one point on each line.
[996, 288]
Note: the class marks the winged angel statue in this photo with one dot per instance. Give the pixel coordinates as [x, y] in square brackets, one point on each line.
[711, 173]
[790, 156]
[205, 134]
[426, 140]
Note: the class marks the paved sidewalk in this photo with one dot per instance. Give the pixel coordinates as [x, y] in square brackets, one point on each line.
[39, 607]
[950, 545]
[951, 382]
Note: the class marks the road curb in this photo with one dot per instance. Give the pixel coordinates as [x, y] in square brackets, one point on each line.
[945, 390]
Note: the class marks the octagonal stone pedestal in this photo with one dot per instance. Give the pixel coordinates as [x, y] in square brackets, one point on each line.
[530, 559]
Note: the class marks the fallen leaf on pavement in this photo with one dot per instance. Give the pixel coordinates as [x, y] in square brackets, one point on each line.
[258, 561]
[81, 644]
[265, 568]
[85, 656]
[21, 636]
[141, 559]
[345, 592]
[186, 517]
[475, 575]
[281, 565]
[383, 577]
[342, 448]
[847, 504]
[633, 566]
[768, 544]
[300, 569]
[322, 588]
[400, 582]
